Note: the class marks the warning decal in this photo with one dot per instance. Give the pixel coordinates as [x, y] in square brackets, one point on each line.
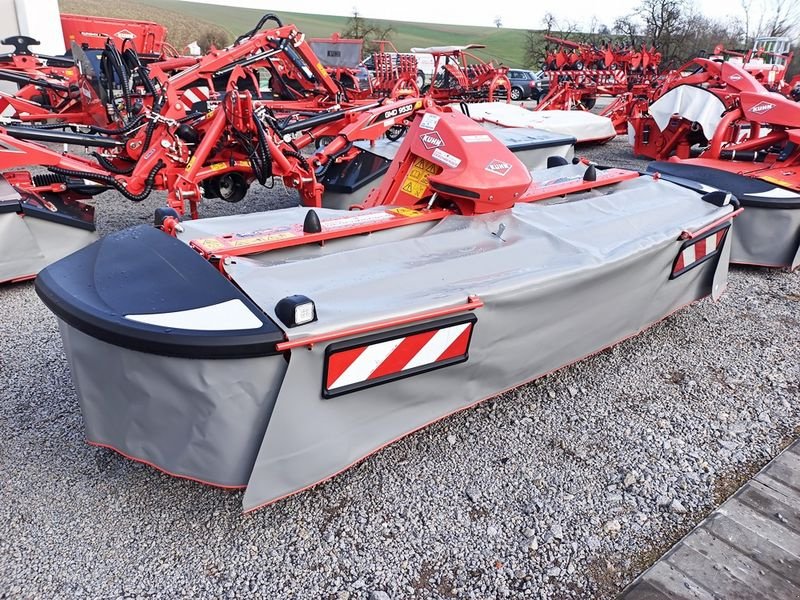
[416, 181]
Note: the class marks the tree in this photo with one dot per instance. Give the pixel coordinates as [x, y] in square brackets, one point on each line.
[213, 37]
[369, 31]
[498, 22]
[534, 48]
[781, 18]
[628, 28]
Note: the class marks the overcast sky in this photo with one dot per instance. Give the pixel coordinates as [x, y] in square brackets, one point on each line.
[514, 13]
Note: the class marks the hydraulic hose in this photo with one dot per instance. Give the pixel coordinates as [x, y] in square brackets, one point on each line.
[109, 166]
[264, 169]
[261, 22]
[111, 182]
[331, 159]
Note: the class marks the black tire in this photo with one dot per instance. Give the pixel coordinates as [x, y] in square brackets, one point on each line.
[395, 132]
[589, 102]
[232, 187]
[420, 80]
[516, 93]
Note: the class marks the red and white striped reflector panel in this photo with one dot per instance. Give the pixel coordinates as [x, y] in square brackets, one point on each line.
[696, 251]
[196, 94]
[381, 358]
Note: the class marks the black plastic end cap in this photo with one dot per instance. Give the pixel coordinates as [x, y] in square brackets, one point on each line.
[161, 214]
[311, 223]
[590, 174]
[556, 161]
[721, 198]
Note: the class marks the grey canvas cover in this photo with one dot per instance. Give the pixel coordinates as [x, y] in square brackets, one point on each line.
[337, 54]
[28, 244]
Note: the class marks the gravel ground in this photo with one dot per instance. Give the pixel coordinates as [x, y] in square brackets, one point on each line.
[565, 488]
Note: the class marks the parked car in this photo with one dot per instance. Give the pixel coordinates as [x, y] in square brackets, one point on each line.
[523, 84]
[542, 85]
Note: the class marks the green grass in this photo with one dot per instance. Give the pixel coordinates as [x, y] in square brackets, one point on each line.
[502, 45]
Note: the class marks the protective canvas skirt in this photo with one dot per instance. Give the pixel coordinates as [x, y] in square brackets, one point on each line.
[584, 126]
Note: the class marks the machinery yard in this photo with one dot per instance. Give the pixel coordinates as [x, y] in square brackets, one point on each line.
[567, 487]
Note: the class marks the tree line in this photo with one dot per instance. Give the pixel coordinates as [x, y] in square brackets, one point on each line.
[677, 30]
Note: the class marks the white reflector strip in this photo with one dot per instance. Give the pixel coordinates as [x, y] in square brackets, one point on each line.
[436, 346]
[369, 360]
[231, 315]
[711, 244]
[775, 193]
[8, 111]
[688, 255]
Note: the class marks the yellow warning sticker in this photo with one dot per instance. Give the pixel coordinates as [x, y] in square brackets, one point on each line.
[262, 239]
[209, 244]
[416, 181]
[777, 181]
[217, 166]
[405, 212]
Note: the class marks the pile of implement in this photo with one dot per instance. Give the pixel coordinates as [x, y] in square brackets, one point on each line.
[434, 262]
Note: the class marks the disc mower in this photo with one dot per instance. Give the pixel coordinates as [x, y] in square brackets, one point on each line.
[314, 337]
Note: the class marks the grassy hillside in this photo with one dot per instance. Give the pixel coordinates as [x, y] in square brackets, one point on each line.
[181, 28]
[185, 20]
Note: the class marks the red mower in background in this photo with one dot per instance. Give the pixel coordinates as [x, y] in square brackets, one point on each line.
[707, 107]
[393, 74]
[145, 37]
[460, 76]
[718, 125]
[579, 73]
[167, 138]
[767, 61]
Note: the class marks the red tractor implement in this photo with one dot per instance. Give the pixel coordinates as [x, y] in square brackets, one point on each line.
[146, 37]
[579, 73]
[460, 76]
[698, 111]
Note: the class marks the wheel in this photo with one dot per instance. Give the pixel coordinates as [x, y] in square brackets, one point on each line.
[323, 141]
[516, 93]
[395, 132]
[420, 79]
[230, 187]
[589, 102]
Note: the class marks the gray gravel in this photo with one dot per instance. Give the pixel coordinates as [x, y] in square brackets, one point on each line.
[565, 488]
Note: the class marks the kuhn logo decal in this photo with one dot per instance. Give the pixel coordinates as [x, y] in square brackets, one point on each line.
[498, 167]
[735, 77]
[762, 107]
[432, 140]
[124, 34]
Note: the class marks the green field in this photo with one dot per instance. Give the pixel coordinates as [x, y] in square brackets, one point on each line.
[502, 45]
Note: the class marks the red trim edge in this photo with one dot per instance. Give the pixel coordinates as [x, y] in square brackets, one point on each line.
[473, 302]
[157, 468]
